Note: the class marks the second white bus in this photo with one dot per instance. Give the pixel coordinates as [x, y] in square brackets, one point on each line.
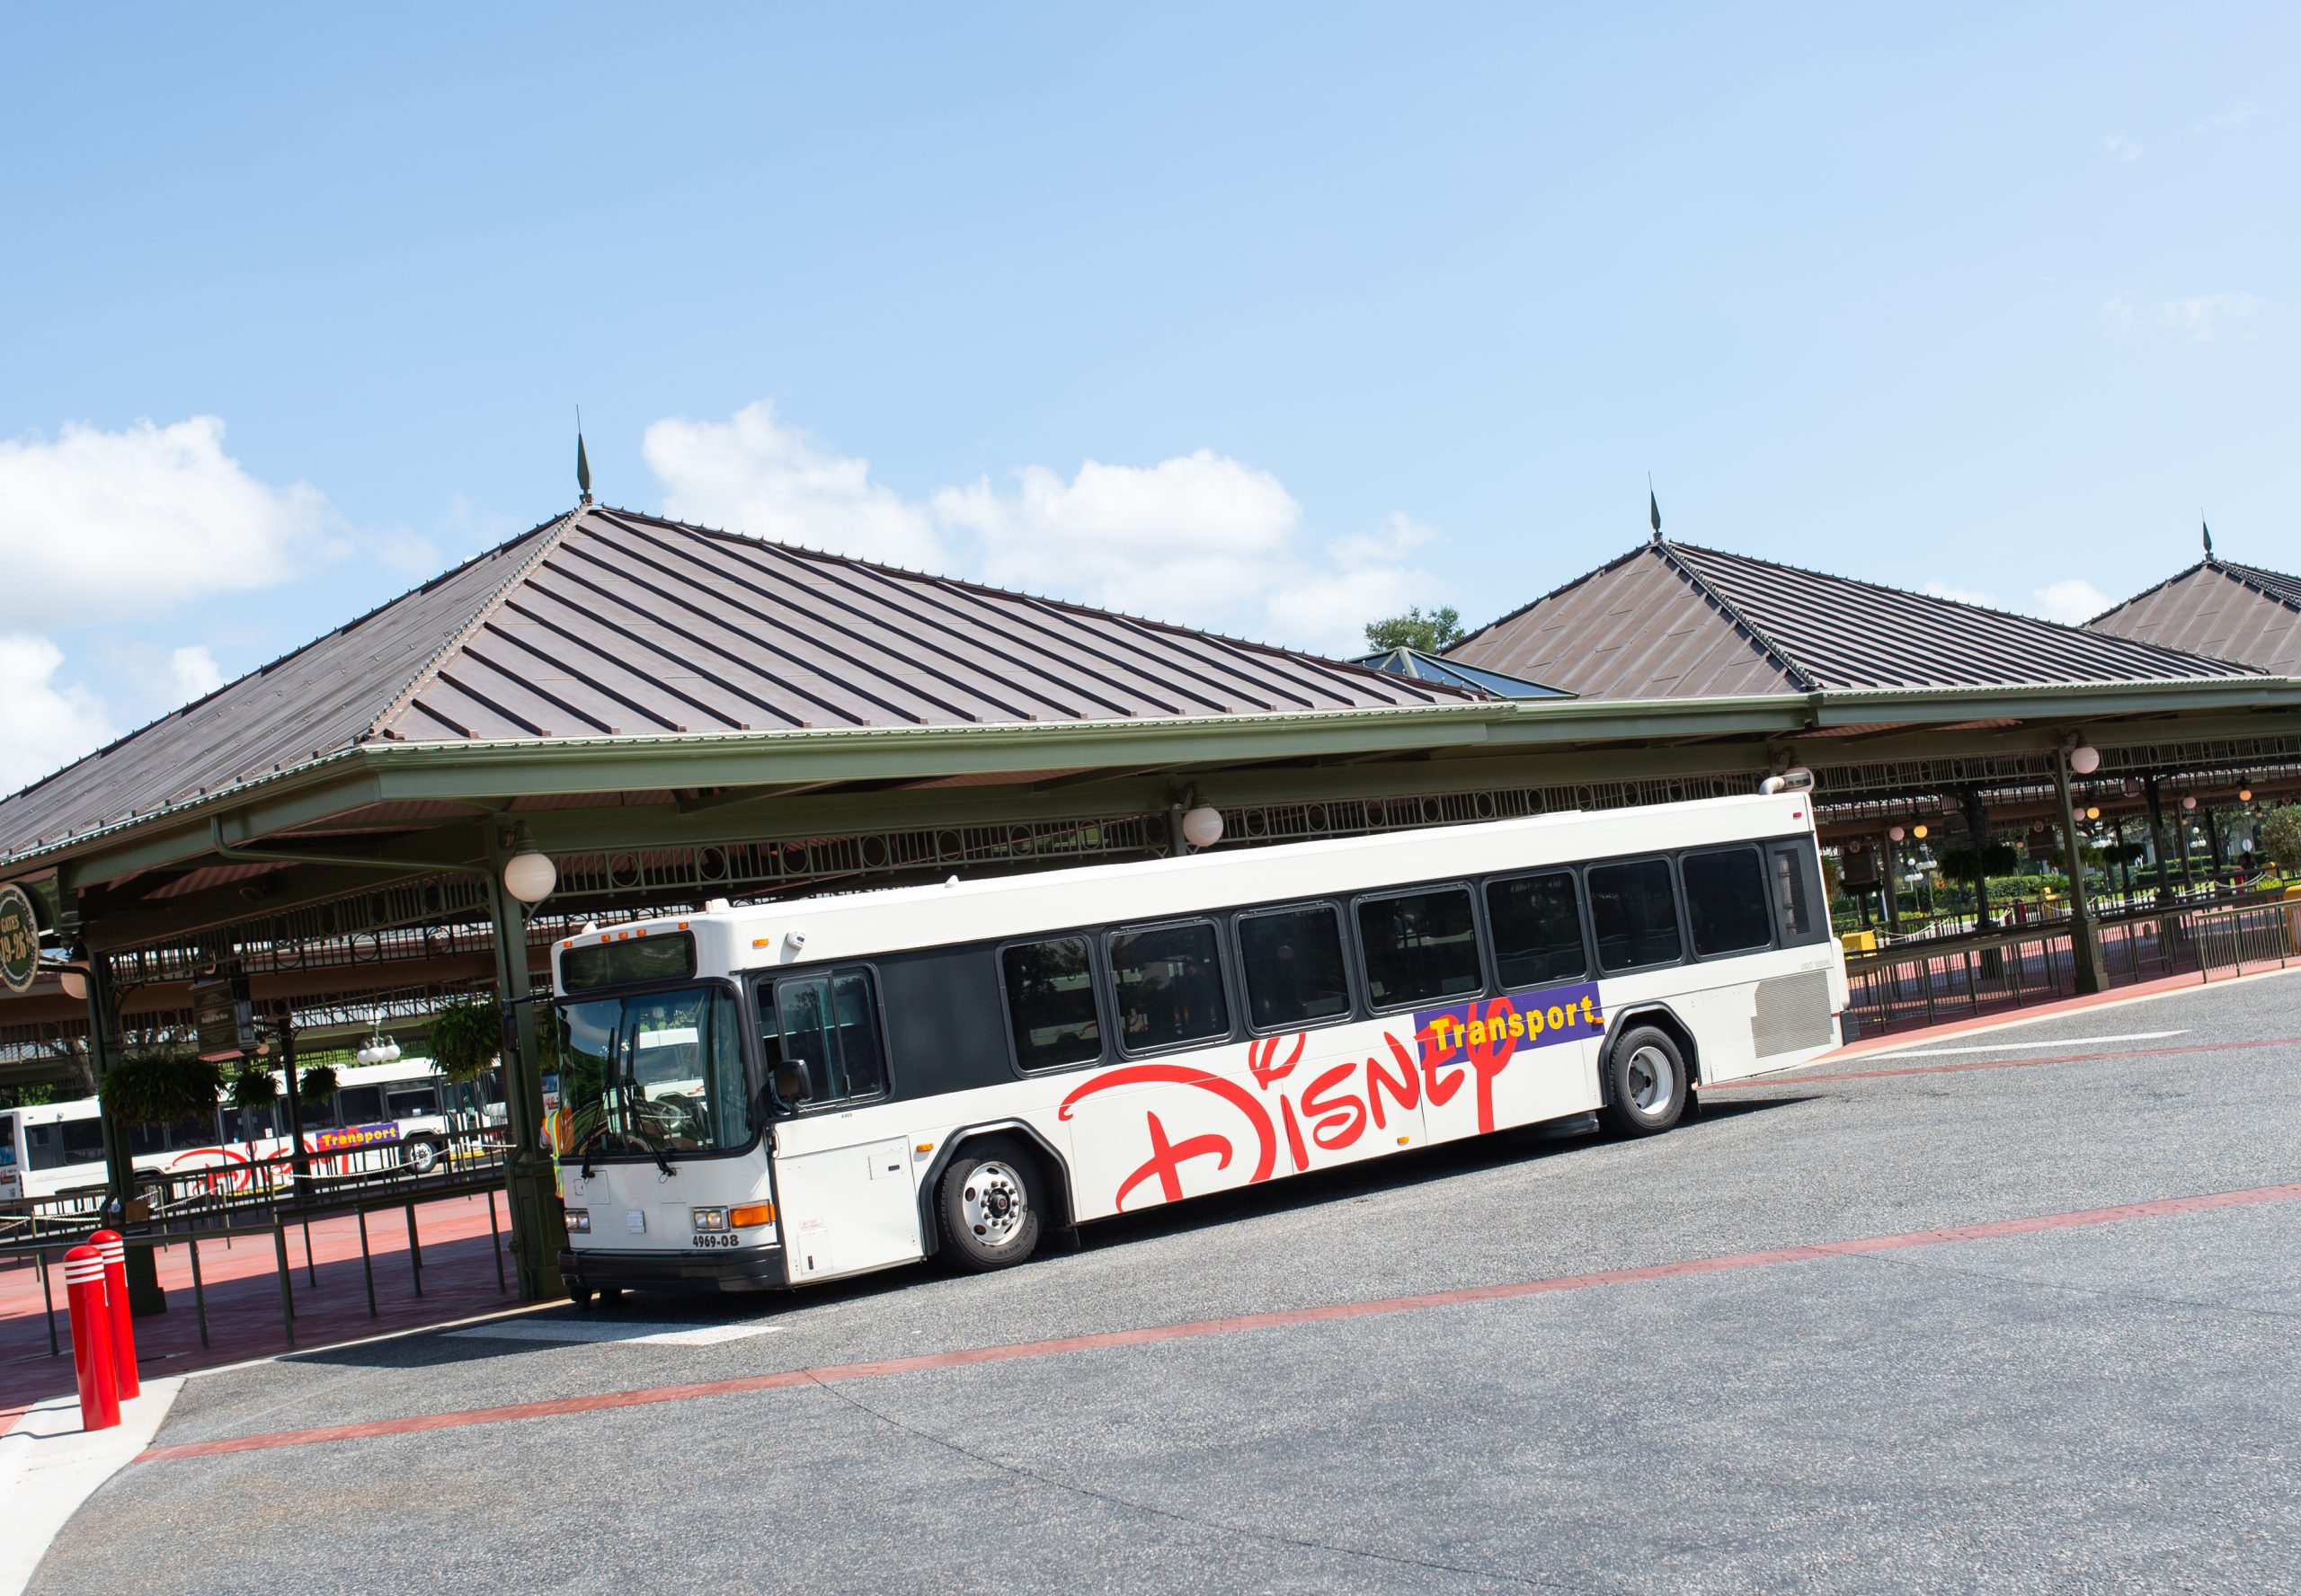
[810, 1090]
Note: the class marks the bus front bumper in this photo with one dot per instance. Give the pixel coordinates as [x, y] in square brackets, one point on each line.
[732, 1269]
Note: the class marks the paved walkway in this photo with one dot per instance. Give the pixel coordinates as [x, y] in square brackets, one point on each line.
[240, 1281]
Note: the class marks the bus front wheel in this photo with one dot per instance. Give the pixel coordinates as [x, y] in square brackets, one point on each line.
[1646, 1084]
[990, 1205]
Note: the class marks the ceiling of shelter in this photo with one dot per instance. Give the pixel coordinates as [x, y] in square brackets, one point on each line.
[2215, 607]
[606, 623]
[1669, 620]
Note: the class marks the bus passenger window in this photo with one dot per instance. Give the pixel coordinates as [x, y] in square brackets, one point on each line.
[1537, 930]
[1169, 984]
[1634, 915]
[362, 1104]
[1725, 902]
[1292, 958]
[1051, 1002]
[1419, 947]
[858, 1034]
[1792, 901]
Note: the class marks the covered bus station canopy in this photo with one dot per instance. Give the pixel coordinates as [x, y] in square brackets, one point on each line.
[670, 714]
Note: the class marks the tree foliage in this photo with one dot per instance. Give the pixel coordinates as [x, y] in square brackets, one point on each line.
[1433, 633]
[2281, 836]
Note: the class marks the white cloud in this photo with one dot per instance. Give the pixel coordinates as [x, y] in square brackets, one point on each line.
[43, 725]
[1941, 589]
[753, 475]
[2203, 315]
[128, 522]
[2236, 116]
[2072, 601]
[2120, 148]
[1200, 539]
[195, 672]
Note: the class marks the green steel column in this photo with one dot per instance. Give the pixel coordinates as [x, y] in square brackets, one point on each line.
[2085, 941]
[145, 1297]
[530, 1180]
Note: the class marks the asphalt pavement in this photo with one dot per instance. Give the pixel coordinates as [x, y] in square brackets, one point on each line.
[2106, 1400]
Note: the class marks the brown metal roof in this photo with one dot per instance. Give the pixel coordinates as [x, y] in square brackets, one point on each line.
[1670, 620]
[610, 622]
[2217, 607]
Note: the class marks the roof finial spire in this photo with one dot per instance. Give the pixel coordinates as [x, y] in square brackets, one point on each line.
[582, 461]
[2207, 533]
[1653, 508]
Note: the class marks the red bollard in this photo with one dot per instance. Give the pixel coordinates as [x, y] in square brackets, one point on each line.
[83, 1283]
[123, 1323]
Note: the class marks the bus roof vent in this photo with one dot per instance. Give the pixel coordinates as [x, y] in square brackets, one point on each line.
[716, 906]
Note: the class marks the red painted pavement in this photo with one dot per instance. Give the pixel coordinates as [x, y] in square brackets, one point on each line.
[1152, 1335]
[243, 1295]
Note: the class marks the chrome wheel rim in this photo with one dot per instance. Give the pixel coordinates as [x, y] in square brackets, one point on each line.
[994, 1203]
[1653, 1080]
[423, 1154]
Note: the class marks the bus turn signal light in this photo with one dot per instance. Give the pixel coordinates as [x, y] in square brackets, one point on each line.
[749, 1214]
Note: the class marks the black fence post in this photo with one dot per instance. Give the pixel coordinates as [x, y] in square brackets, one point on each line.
[414, 1251]
[366, 1263]
[495, 1240]
[199, 1290]
[47, 1297]
[287, 1276]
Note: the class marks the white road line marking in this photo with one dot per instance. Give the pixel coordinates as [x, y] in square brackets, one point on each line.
[636, 1333]
[2002, 1047]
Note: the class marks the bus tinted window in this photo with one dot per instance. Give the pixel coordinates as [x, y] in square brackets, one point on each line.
[1633, 914]
[1537, 929]
[198, 1132]
[1794, 901]
[1169, 984]
[362, 1104]
[1293, 963]
[1418, 947]
[1726, 900]
[830, 1023]
[1051, 1002]
[64, 1142]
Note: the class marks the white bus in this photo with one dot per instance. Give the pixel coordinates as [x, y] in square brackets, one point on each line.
[57, 1150]
[810, 1090]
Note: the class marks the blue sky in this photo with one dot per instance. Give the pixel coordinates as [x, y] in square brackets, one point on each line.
[1273, 321]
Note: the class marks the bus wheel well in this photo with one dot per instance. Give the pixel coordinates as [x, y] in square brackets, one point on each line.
[1014, 1137]
[1669, 1024]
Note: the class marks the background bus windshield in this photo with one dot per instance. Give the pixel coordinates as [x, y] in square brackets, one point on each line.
[658, 1074]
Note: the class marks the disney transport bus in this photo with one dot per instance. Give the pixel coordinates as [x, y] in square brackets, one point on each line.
[809, 1090]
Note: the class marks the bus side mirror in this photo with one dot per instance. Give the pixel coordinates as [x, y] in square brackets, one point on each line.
[791, 1083]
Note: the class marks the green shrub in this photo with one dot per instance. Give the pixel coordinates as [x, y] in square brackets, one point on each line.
[2281, 837]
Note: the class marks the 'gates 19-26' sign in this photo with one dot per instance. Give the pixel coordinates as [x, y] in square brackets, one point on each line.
[19, 938]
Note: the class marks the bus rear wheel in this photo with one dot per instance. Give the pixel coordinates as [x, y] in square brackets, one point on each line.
[989, 1202]
[1646, 1084]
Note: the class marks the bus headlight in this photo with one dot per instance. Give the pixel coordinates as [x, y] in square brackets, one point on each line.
[710, 1219]
[579, 1221]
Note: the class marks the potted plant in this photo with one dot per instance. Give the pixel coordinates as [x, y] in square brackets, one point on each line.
[160, 1088]
[253, 1087]
[316, 1088]
[465, 1039]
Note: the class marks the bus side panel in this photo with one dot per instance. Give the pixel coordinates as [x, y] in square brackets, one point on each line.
[1515, 1059]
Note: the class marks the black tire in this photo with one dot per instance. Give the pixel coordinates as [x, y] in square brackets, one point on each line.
[991, 1201]
[1640, 1099]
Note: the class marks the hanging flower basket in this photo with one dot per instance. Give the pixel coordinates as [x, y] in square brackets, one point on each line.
[316, 1088]
[465, 1039]
[161, 1089]
[254, 1086]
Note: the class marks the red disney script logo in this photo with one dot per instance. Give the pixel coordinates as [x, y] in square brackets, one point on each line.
[1334, 1110]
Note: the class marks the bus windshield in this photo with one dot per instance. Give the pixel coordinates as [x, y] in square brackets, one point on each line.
[651, 1076]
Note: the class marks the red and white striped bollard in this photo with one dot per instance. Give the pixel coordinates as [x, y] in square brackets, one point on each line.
[83, 1287]
[123, 1323]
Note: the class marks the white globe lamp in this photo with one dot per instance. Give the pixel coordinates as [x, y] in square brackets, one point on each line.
[1203, 826]
[1897, 833]
[2084, 758]
[529, 877]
